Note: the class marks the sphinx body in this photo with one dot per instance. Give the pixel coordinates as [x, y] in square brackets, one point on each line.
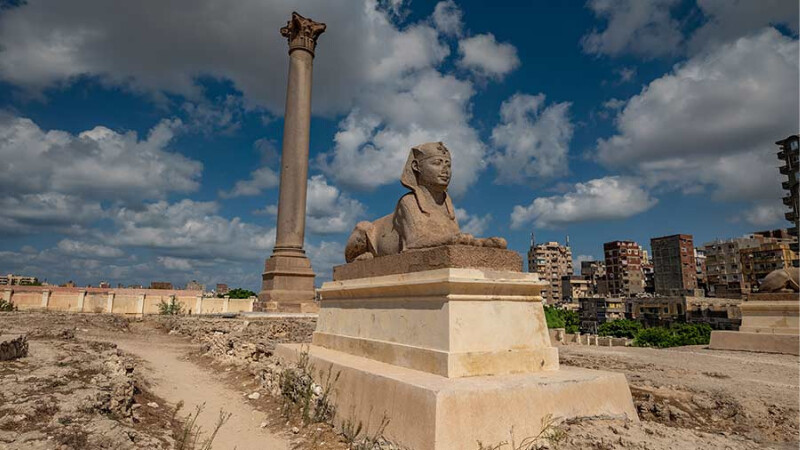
[422, 218]
[781, 280]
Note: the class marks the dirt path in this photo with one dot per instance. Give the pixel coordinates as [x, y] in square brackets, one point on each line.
[174, 379]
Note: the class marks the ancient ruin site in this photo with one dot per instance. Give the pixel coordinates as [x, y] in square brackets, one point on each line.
[197, 253]
[97, 381]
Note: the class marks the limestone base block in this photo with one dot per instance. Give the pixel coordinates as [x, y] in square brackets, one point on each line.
[287, 285]
[432, 412]
[453, 322]
[755, 342]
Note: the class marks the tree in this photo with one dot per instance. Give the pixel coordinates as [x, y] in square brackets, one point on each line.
[239, 293]
[621, 328]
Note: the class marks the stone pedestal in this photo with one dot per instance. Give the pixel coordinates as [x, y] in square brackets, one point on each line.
[450, 355]
[770, 324]
[288, 285]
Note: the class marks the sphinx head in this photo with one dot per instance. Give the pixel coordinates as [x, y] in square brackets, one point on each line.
[431, 165]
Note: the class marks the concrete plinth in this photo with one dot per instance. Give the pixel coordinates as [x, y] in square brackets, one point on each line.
[432, 412]
[770, 324]
[287, 285]
[449, 322]
[755, 342]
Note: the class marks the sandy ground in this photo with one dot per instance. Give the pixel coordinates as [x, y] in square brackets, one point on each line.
[84, 366]
[176, 379]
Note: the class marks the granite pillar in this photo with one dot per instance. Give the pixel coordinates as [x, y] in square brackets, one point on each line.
[288, 279]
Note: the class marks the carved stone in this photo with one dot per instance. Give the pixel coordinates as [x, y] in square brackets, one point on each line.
[781, 280]
[423, 218]
[288, 279]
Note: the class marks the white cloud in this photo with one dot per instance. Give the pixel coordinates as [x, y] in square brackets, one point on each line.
[765, 215]
[713, 120]
[605, 198]
[88, 250]
[643, 28]
[372, 143]
[190, 229]
[532, 141]
[728, 20]
[98, 164]
[485, 57]
[260, 179]
[323, 257]
[169, 262]
[626, 74]
[447, 17]
[472, 224]
[29, 213]
[328, 210]
[269, 210]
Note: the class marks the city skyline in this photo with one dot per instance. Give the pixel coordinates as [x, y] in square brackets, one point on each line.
[159, 160]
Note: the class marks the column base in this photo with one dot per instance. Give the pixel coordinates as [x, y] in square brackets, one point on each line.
[287, 284]
[431, 412]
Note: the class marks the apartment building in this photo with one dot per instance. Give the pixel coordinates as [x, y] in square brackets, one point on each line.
[623, 268]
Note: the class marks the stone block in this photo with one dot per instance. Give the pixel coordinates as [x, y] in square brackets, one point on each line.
[13, 347]
[287, 285]
[755, 342]
[431, 412]
[446, 256]
[451, 322]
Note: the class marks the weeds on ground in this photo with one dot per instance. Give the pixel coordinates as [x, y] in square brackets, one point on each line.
[550, 432]
[297, 392]
[173, 308]
[7, 305]
[352, 433]
[189, 438]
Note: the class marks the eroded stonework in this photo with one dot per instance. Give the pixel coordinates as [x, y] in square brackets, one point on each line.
[423, 218]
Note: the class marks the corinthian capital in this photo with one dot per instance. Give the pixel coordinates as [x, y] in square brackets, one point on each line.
[302, 33]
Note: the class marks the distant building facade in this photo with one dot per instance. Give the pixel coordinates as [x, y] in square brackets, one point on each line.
[17, 280]
[195, 286]
[700, 269]
[724, 264]
[551, 261]
[160, 285]
[788, 155]
[623, 268]
[758, 262]
[674, 264]
[574, 287]
[594, 311]
[222, 289]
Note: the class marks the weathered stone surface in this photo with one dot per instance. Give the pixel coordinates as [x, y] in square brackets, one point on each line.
[451, 322]
[446, 256]
[13, 347]
[423, 218]
[430, 412]
[781, 280]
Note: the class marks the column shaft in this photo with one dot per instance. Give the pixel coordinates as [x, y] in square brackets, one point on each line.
[294, 156]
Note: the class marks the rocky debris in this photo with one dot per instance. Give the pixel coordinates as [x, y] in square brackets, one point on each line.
[13, 347]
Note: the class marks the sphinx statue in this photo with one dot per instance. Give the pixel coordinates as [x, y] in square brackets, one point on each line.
[424, 217]
[781, 280]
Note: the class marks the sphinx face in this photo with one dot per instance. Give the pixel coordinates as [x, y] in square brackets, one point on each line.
[434, 171]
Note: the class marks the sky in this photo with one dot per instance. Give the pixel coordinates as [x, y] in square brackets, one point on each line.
[141, 141]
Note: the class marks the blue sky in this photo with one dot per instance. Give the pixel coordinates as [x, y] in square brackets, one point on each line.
[140, 141]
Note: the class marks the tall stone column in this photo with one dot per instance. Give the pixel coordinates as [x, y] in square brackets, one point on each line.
[288, 280]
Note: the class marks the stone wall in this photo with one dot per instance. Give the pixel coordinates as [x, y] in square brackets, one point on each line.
[559, 337]
[119, 301]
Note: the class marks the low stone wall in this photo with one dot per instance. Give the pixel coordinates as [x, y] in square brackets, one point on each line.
[559, 337]
[119, 301]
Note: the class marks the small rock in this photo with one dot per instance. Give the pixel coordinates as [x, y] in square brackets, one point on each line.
[263, 424]
[295, 430]
[254, 396]
[153, 405]
[317, 389]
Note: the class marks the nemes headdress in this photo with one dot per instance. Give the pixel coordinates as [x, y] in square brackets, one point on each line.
[409, 178]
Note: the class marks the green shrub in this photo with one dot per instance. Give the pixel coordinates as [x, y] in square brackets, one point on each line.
[238, 293]
[675, 336]
[621, 328]
[7, 305]
[172, 308]
[561, 318]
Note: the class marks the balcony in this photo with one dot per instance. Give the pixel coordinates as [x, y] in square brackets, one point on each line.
[791, 216]
[785, 169]
[788, 184]
[788, 200]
